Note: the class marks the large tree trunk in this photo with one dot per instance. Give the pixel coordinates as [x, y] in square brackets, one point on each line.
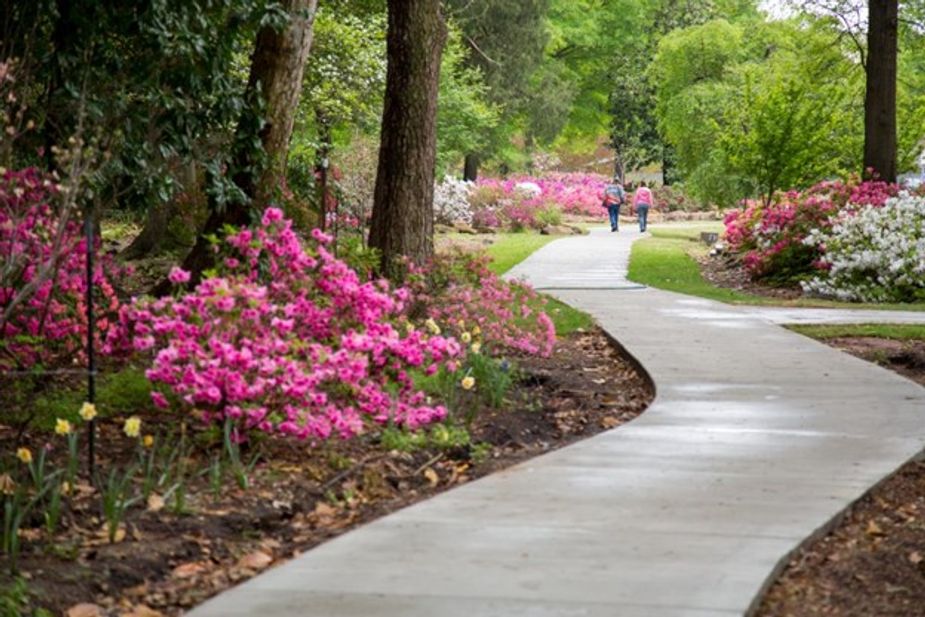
[403, 214]
[880, 100]
[272, 95]
[471, 168]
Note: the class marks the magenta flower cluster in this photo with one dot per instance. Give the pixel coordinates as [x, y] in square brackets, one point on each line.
[509, 315]
[286, 339]
[498, 203]
[43, 282]
[770, 236]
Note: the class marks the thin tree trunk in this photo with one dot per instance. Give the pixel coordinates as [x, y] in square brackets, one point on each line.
[403, 214]
[273, 88]
[471, 168]
[880, 99]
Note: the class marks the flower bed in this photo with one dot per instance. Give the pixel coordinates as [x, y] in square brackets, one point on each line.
[770, 236]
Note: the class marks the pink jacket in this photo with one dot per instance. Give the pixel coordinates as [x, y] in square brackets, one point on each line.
[643, 196]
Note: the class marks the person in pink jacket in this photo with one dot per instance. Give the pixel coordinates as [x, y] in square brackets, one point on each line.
[642, 201]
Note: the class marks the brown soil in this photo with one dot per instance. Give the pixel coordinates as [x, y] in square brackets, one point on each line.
[301, 496]
[873, 562]
[725, 271]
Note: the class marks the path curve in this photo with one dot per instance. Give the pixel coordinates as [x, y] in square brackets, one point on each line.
[757, 438]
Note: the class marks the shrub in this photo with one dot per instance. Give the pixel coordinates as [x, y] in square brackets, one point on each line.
[43, 287]
[550, 215]
[770, 237]
[873, 253]
[460, 291]
[285, 338]
[451, 201]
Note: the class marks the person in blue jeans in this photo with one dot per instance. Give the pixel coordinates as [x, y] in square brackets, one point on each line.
[642, 201]
[613, 197]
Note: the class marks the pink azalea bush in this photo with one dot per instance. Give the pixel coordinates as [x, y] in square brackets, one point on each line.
[286, 339]
[43, 287]
[460, 291]
[498, 203]
[771, 237]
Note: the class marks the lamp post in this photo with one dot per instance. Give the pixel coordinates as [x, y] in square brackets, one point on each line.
[91, 351]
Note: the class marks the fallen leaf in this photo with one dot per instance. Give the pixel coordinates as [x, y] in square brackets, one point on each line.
[916, 557]
[155, 502]
[84, 610]
[431, 476]
[610, 422]
[873, 529]
[188, 570]
[258, 560]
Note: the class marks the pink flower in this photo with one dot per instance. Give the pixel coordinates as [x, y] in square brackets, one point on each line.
[178, 276]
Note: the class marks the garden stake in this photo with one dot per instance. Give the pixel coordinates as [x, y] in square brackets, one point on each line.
[91, 356]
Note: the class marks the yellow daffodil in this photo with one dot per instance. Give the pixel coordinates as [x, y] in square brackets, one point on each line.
[25, 455]
[432, 326]
[476, 347]
[476, 331]
[87, 411]
[461, 324]
[148, 441]
[467, 383]
[132, 426]
[409, 327]
[465, 337]
[63, 427]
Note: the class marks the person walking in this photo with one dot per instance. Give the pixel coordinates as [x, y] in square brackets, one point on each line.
[642, 201]
[614, 196]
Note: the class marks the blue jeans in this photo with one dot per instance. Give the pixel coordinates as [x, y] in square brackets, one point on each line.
[614, 211]
[642, 211]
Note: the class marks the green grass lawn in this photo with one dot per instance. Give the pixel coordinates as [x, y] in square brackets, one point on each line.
[899, 332]
[667, 261]
[509, 249]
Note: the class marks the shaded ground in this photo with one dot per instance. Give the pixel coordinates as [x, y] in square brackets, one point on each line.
[727, 272]
[873, 563]
[169, 561]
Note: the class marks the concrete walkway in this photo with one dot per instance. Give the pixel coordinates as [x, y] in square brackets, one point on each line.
[758, 437]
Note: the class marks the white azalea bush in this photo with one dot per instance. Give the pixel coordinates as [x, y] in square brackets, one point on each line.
[874, 254]
[451, 201]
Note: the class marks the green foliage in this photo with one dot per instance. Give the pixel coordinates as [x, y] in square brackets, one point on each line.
[465, 117]
[16, 601]
[117, 498]
[127, 391]
[752, 107]
[550, 215]
[442, 436]
[153, 86]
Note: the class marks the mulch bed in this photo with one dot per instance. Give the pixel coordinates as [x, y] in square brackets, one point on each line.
[726, 271]
[300, 497]
[873, 563]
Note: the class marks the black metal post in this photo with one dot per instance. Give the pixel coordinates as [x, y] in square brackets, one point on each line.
[91, 351]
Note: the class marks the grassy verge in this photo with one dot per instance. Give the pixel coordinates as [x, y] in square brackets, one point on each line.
[899, 332]
[667, 261]
[509, 249]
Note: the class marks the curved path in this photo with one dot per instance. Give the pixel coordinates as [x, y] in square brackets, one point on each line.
[757, 438]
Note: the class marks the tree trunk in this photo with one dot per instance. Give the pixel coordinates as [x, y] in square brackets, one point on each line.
[471, 168]
[272, 95]
[880, 99]
[403, 214]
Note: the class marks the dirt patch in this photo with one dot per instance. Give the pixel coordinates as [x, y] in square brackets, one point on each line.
[873, 563]
[300, 497]
[725, 271]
